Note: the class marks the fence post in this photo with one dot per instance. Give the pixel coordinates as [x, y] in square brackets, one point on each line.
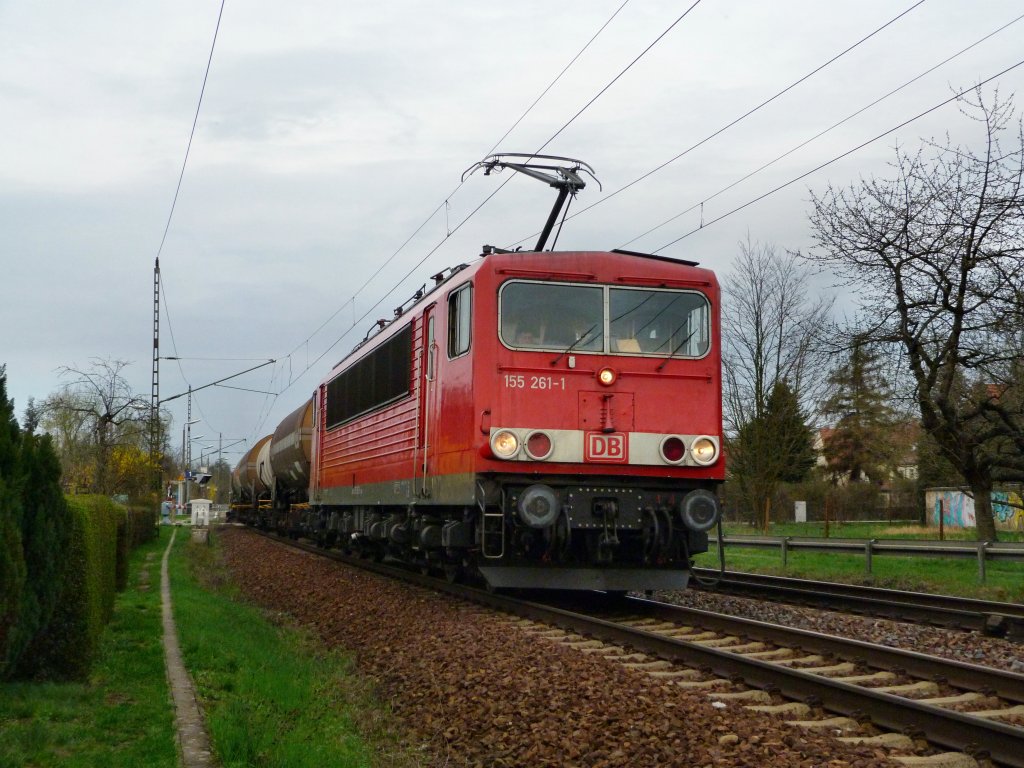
[785, 550]
[981, 561]
[868, 547]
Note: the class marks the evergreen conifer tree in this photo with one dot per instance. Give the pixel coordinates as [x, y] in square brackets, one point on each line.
[12, 561]
[860, 445]
[792, 437]
[34, 529]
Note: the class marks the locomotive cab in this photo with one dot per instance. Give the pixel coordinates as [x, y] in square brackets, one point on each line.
[602, 447]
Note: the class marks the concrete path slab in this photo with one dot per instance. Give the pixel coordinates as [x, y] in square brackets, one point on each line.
[188, 717]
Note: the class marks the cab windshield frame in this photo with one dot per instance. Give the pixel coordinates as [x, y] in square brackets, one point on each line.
[602, 319]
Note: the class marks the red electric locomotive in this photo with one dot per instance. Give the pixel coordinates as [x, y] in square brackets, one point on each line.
[543, 419]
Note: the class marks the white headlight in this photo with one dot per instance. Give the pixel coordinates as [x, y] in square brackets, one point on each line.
[505, 444]
[704, 450]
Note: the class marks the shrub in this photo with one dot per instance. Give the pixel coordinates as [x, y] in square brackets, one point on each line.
[44, 540]
[136, 527]
[88, 584]
[142, 524]
[12, 559]
[12, 573]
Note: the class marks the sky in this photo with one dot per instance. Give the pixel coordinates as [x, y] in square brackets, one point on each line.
[332, 138]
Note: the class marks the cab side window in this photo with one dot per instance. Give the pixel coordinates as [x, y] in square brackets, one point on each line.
[460, 312]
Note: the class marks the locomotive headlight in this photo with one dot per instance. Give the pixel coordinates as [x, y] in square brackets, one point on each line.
[606, 376]
[704, 451]
[505, 444]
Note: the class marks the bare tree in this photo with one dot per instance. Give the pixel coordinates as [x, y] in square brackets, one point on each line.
[95, 417]
[771, 346]
[770, 331]
[935, 257]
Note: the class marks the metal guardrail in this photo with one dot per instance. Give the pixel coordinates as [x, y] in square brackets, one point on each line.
[982, 551]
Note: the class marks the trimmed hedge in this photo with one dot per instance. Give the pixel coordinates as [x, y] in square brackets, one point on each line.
[138, 527]
[88, 586]
[60, 560]
[142, 525]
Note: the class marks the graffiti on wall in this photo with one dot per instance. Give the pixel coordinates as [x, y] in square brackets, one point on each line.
[957, 508]
[1008, 510]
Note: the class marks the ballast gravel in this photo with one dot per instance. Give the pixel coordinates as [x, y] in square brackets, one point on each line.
[471, 689]
[955, 644]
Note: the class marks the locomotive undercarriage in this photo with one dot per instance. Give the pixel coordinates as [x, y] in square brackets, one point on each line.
[615, 534]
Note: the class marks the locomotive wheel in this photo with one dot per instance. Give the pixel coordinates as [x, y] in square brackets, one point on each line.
[452, 573]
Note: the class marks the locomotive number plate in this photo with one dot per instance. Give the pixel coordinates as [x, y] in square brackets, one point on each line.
[519, 381]
[606, 448]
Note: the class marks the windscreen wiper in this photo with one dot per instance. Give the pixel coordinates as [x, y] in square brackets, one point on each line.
[678, 347]
[572, 346]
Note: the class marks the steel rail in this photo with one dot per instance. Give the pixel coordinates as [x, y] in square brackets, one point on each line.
[1003, 743]
[960, 674]
[989, 617]
[946, 728]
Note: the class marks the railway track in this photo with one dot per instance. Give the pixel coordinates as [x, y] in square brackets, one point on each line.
[862, 692]
[991, 618]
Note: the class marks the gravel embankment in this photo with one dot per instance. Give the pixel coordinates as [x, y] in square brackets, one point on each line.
[478, 692]
[956, 644]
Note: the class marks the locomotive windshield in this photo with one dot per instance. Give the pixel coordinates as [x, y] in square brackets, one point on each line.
[603, 319]
[662, 323]
[552, 316]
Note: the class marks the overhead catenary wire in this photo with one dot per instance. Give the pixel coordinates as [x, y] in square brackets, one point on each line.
[818, 135]
[827, 163]
[734, 122]
[192, 133]
[628, 67]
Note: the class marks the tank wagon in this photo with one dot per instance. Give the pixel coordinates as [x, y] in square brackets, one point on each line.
[537, 419]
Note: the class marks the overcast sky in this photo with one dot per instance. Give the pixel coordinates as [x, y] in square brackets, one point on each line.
[330, 132]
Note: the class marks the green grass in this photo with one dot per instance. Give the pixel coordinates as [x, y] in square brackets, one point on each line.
[1004, 580]
[272, 696]
[855, 530]
[122, 716]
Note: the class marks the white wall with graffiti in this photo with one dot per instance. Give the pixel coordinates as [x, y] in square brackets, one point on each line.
[957, 508]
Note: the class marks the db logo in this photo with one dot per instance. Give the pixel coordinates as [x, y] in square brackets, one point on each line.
[613, 448]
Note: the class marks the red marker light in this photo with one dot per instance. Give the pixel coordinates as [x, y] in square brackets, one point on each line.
[673, 450]
[538, 446]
